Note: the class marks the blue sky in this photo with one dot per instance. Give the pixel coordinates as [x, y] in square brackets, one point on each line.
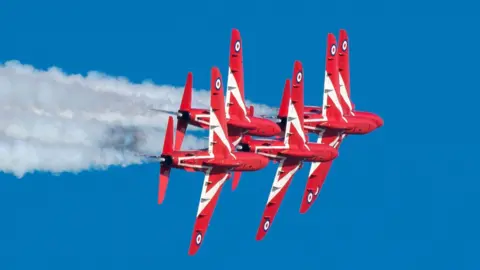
[403, 197]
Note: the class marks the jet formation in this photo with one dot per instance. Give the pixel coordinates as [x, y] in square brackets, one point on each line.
[239, 141]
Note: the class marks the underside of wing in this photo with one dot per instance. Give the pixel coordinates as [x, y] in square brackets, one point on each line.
[316, 178]
[212, 185]
[319, 171]
[286, 169]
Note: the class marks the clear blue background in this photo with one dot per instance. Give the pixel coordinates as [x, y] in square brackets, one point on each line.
[403, 197]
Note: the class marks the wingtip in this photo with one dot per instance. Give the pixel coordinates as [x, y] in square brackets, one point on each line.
[194, 247]
[192, 251]
[304, 208]
[332, 44]
[235, 32]
[260, 235]
[297, 73]
[263, 229]
[298, 64]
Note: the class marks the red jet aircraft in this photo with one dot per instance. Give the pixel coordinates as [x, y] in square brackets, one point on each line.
[291, 152]
[238, 120]
[216, 163]
[335, 119]
[344, 87]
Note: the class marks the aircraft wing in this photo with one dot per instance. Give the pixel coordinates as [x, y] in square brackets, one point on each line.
[286, 169]
[212, 185]
[318, 172]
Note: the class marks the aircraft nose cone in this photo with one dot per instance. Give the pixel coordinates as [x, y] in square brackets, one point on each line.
[263, 162]
[376, 119]
[276, 129]
[379, 121]
[333, 153]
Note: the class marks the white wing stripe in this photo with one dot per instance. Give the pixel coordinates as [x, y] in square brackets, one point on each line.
[205, 197]
[279, 184]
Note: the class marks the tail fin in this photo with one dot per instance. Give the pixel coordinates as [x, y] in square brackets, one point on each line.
[186, 103]
[165, 168]
[344, 68]
[185, 106]
[218, 143]
[294, 132]
[283, 110]
[168, 140]
[236, 179]
[235, 100]
[332, 109]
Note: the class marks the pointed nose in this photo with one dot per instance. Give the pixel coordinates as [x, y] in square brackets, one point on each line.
[265, 128]
[263, 162]
[373, 117]
[379, 121]
[333, 153]
[276, 129]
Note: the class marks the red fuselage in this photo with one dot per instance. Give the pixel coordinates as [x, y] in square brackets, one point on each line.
[357, 123]
[372, 116]
[200, 160]
[257, 127]
[274, 149]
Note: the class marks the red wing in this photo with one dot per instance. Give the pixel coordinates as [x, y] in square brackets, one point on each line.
[212, 185]
[344, 76]
[235, 99]
[318, 172]
[286, 169]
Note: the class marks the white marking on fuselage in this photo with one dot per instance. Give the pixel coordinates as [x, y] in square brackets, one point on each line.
[294, 119]
[201, 118]
[232, 89]
[216, 128]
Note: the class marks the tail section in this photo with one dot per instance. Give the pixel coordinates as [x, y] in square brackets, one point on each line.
[219, 145]
[251, 111]
[186, 103]
[235, 100]
[283, 110]
[332, 109]
[294, 134]
[344, 68]
[165, 168]
[168, 144]
[236, 179]
[183, 113]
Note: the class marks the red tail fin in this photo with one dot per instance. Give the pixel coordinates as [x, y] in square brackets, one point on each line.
[344, 67]
[219, 145]
[294, 134]
[165, 169]
[235, 100]
[283, 110]
[236, 179]
[186, 103]
[332, 108]
[185, 106]
[168, 140]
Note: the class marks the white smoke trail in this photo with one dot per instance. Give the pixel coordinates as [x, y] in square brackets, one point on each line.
[55, 122]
